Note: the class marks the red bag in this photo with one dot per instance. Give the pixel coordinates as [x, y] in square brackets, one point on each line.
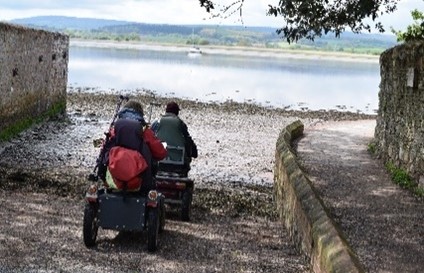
[126, 166]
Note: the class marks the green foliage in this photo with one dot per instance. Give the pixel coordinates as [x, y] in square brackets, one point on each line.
[419, 191]
[25, 123]
[402, 178]
[203, 42]
[102, 35]
[15, 129]
[311, 19]
[372, 148]
[262, 37]
[413, 32]
[244, 42]
[228, 36]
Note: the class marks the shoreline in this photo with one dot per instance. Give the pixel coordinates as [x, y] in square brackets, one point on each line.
[229, 105]
[233, 50]
[285, 58]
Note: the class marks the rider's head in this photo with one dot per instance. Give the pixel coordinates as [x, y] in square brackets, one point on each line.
[132, 110]
[136, 106]
[172, 107]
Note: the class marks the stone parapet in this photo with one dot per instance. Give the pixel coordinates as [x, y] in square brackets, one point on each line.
[304, 214]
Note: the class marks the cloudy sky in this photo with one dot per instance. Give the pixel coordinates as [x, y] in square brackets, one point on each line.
[170, 11]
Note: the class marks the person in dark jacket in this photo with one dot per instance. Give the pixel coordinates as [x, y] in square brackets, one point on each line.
[133, 111]
[131, 131]
[173, 130]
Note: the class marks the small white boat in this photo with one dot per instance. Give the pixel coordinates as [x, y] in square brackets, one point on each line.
[194, 50]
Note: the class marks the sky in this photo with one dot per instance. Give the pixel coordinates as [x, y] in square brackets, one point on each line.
[172, 11]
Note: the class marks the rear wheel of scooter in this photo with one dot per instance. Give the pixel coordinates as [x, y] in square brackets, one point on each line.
[90, 226]
[162, 216]
[186, 206]
[152, 230]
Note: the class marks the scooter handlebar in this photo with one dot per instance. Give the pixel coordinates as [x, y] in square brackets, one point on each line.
[122, 97]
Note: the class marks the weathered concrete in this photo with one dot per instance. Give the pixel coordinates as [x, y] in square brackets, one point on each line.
[399, 132]
[33, 75]
[304, 214]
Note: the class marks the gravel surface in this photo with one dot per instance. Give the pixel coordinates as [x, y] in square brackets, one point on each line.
[234, 227]
[382, 222]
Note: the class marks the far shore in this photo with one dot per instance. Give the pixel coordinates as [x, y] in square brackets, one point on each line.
[230, 50]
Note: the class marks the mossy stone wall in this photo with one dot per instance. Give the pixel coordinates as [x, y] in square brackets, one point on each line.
[33, 75]
[399, 133]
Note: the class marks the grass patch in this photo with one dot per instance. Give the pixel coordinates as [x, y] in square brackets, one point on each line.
[372, 148]
[15, 129]
[403, 179]
[25, 123]
[418, 191]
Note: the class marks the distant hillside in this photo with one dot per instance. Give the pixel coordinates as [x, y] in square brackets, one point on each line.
[63, 22]
[90, 28]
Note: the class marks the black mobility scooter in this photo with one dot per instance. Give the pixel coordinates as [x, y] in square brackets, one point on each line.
[122, 210]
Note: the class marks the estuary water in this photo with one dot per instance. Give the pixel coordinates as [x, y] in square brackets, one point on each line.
[290, 81]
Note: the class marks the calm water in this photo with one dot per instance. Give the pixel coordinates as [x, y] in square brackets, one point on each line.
[269, 81]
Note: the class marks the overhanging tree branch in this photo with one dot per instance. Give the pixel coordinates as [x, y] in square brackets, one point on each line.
[309, 19]
[223, 11]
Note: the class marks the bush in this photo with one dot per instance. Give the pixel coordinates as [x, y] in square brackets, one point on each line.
[413, 32]
[372, 148]
[400, 176]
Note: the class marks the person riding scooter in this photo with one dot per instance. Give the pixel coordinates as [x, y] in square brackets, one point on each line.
[172, 130]
[130, 133]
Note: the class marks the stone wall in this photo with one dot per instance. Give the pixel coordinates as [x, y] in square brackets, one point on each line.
[33, 75]
[399, 133]
[303, 212]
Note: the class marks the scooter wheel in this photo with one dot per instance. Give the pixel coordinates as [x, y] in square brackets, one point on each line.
[152, 230]
[90, 226]
[186, 206]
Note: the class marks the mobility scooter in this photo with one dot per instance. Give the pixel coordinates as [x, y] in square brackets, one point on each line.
[121, 210]
[173, 182]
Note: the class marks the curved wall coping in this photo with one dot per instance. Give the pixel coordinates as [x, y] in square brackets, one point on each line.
[303, 212]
